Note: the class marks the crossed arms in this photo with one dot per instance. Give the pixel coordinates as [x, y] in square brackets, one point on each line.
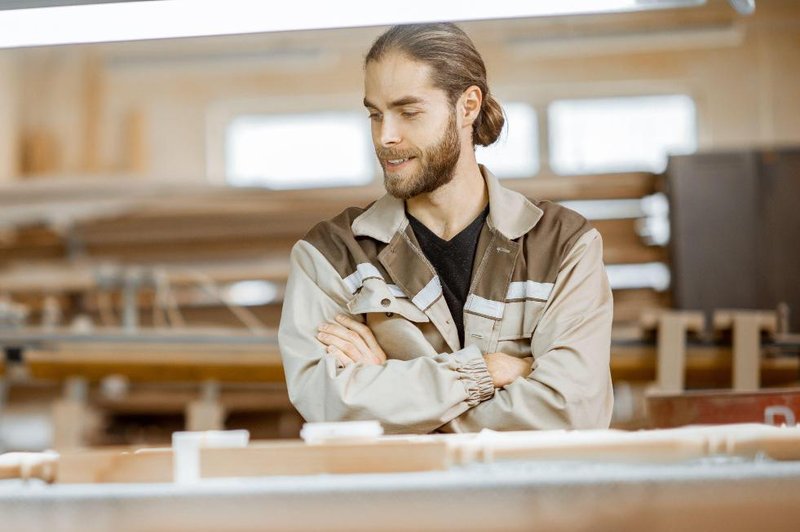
[336, 370]
[351, 342]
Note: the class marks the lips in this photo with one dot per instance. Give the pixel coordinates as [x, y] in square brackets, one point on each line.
[396, 163]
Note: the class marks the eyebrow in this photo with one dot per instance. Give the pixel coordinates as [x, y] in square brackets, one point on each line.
[406, 100]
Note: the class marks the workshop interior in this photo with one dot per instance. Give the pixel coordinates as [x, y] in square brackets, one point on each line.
[154, 178]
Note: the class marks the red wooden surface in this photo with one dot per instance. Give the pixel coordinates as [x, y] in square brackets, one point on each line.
[717, 407]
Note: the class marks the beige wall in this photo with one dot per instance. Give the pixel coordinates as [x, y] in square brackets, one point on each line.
[160, 108]
[9, 157]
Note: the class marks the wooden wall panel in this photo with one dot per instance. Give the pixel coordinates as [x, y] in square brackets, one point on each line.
[9, 127]
[185, 91]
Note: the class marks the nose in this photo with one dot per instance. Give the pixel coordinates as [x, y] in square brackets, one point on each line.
[389, 132]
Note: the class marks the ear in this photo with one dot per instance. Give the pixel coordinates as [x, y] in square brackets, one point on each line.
[469, 105]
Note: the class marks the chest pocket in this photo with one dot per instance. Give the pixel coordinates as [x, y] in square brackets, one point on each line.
[520, 319]
[375, 297]
[394, 321]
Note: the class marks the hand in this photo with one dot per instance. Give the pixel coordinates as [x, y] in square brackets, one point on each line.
[350, 341]
[505, 369]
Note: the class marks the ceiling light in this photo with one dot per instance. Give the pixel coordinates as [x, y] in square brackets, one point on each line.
[158, 19]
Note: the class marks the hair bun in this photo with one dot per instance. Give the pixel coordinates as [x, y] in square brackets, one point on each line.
[486, 129]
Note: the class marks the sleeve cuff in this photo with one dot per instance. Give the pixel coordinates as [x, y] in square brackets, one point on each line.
[474, 374]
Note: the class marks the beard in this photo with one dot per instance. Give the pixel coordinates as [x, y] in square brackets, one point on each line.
[436, 165]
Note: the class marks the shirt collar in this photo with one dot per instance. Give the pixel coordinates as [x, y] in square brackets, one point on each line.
[510, 213]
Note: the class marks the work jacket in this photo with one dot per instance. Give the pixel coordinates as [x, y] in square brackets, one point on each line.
[539, 289]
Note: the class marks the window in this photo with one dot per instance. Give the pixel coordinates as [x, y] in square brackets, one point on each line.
[516, 152]
[299, 150]
[653, 275]
[620, 134]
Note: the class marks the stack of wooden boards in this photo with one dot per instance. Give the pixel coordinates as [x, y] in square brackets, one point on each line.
[68, 248]
[63, 239]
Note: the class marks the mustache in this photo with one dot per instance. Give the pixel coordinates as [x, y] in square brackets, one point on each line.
[386, 153]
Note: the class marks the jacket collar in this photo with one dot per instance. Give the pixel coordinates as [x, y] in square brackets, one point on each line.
[510, 213]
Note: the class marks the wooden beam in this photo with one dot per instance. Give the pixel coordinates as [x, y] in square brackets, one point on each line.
[9, 127]
[746, 327]
[153, 363]
[92, 112]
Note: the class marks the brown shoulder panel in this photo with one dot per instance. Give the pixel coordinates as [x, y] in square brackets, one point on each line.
[335, 240]
[546, 245]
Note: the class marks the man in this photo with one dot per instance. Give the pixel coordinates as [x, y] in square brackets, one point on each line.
[451, 303]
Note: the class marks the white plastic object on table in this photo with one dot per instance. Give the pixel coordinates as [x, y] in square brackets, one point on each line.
[341, 432]
[186, 450]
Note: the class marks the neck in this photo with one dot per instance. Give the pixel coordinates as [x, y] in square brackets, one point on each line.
[449, 209]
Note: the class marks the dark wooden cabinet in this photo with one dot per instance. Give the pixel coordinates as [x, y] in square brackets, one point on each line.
[735, 221]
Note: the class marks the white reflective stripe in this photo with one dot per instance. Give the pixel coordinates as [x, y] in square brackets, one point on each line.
[429, 294]
[484, 307]
[363, 271]
[395, 290]
[529, 290]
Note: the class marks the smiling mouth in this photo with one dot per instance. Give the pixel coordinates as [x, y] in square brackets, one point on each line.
[395, 163]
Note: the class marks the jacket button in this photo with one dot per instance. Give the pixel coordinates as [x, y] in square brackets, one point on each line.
[385, 302]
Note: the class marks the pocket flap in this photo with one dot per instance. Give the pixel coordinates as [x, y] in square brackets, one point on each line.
[375, 296]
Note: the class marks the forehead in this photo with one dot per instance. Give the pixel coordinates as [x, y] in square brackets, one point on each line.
[396, 76]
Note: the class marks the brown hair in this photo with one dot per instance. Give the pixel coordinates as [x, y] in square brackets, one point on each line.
[456, 66]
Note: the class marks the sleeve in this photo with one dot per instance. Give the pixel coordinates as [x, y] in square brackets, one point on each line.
[416, 395]
[570, 383]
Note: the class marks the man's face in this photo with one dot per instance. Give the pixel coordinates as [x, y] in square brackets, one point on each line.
[414, 128]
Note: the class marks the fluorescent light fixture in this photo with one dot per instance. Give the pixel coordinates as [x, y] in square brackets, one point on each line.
[158, 19]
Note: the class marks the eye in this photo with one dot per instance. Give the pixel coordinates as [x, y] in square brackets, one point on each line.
[374, 116]
[410, 114]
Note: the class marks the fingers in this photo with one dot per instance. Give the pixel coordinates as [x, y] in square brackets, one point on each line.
[366, 335]
[331, 336]
[356, 326]
[342, 359]
[353, 338]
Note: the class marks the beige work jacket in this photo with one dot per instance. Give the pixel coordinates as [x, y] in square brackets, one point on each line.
[539, 288]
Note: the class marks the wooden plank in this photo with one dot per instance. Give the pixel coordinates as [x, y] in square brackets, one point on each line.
[161, 398]
[623, 245]
[603, 186]
[82, 277]
[93, 95]
[707, 366]
[233, 247]
[257, 460]
[136, 153]
[600, 186]
[719, 407]
[746, 327]
[40, 154]
[629, 305]
[297, 458]
[411, 453]
[157, 364]
[671, 346]
[30, 243]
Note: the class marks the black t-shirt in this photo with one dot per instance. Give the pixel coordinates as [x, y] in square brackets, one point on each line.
[453, 261]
